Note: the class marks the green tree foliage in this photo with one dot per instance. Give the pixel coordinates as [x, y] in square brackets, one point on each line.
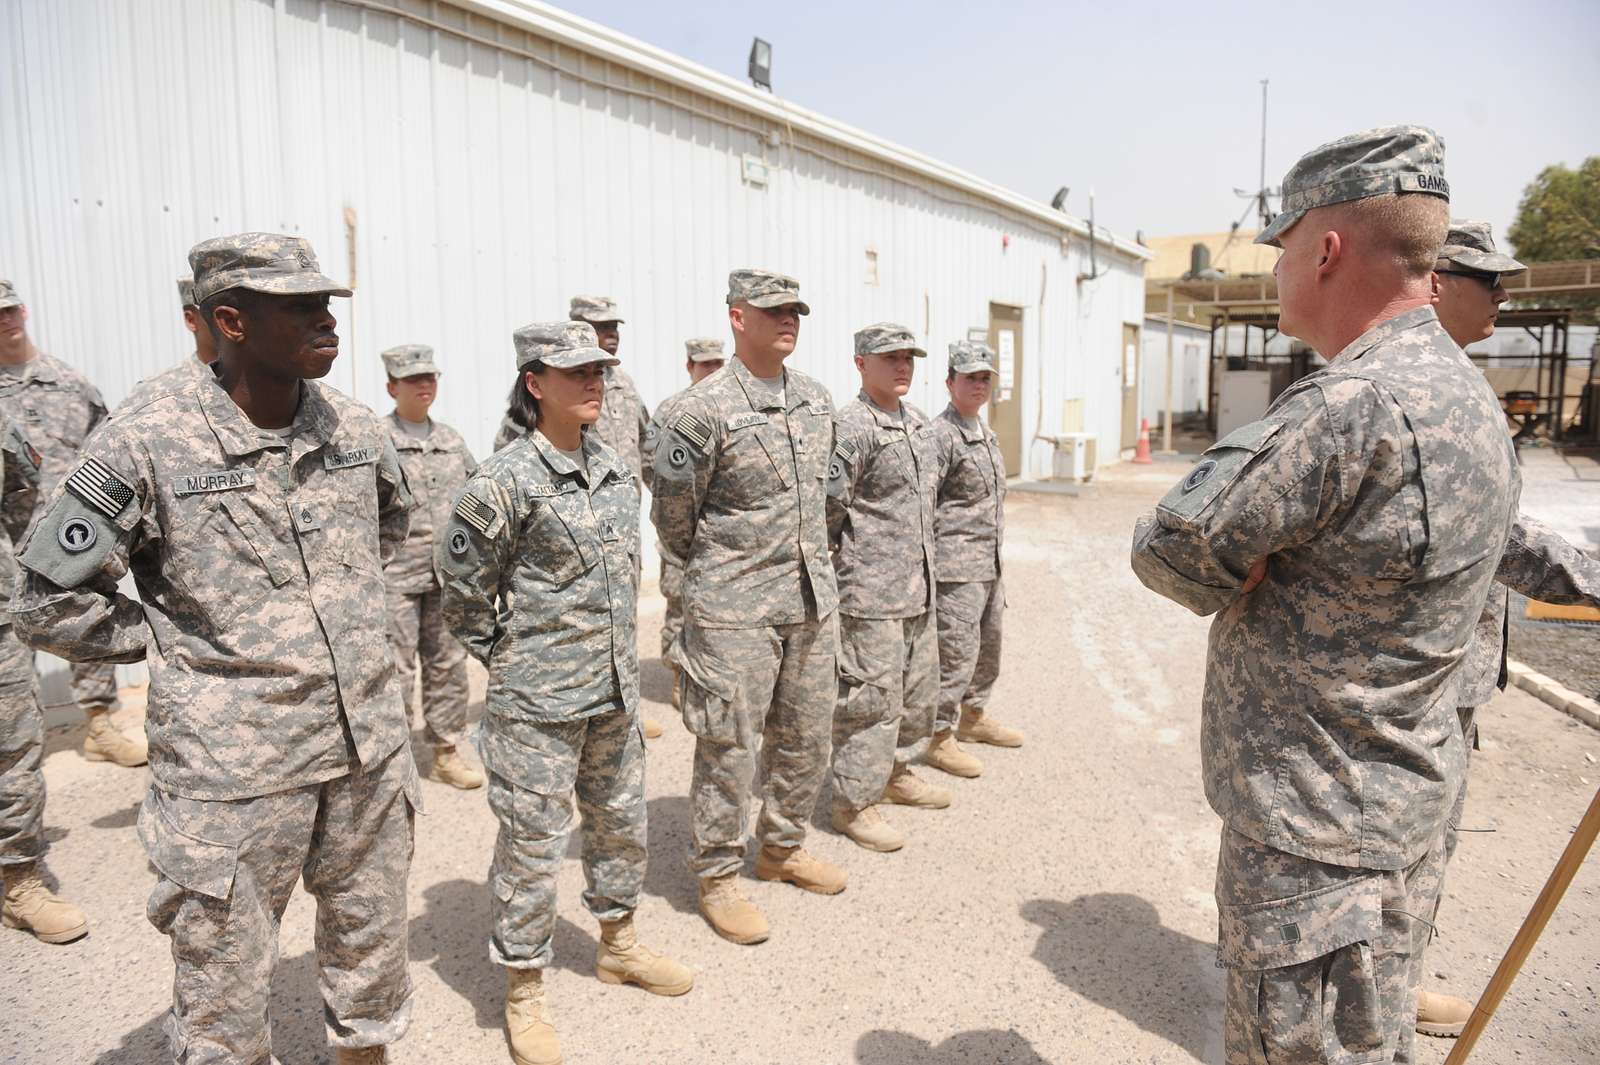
[1559, 218]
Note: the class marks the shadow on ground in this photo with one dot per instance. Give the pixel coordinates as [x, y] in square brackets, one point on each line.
[655, 681]
[1114, 951]
[986, 1046]
[667, 876]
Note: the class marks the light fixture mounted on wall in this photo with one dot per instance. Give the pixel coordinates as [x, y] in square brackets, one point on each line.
[761, 64]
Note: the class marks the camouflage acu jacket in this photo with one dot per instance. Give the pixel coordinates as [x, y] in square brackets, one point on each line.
[57, 408]
[740, 496]
[970, 515]
[1382, 491]
[259, 565]
[1541, 565]
[172, 379]
[436, 466]
[538, 560]
[19, 472]
[623, 421]
[881, 483]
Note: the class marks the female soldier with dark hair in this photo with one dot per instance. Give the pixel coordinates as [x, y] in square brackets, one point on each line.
[539, 559]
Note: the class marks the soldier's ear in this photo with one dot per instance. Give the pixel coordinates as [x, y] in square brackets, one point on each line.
[1433, 288]
[230, 322]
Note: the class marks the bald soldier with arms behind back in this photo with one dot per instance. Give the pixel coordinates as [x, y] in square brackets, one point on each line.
[1538, 563]
[255, 511]
[1346, 544]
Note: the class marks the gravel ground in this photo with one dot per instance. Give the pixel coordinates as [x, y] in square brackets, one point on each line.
[1060, 912]
[1568, 652]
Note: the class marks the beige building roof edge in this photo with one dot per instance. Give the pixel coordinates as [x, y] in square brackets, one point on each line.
[1237, 258]
[573, 31]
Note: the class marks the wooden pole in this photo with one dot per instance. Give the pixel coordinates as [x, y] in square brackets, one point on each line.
[1528, 934]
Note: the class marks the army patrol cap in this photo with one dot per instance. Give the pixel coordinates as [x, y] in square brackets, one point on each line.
[409, 360]
[704, 349]
[559, 344]
[763, 288]
[884, 337]
[1471, 245]
[186, 293]
[969, 356]
[594, 309]
[1398, 159]
[8, 295]
[260, 262]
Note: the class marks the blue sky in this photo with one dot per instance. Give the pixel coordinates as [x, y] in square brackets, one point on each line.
[1157, 106]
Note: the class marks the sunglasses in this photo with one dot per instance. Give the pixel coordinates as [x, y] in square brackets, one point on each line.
[1489, 281]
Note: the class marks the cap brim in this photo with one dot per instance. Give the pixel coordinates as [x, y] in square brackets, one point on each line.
[1487, 262]
[294, 285]
[568, 360]
[971, 367]
[779, 299]
[6, 304]
[712, 357]
[598, 321]
[918, 352]
[432, 370]
[1278, 227]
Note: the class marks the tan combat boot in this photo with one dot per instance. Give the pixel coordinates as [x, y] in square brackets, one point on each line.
[946, 755]
[1442, 1015]
[974, 727]
[797, 867]
[452, 769]
[363, 1056]
[107, 743]
[529, 1026]
[651, 728]
[622, 959]
[33, 907]
[731, 915]
[907, 789]
[868, 828]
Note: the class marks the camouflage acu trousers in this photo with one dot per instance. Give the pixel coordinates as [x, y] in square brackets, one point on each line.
[225, 872]
[969, 645]
[21, 748]
[1322, 961]
[888, 687]
[94, 685]
[764, 692]
[672, 591]
[417, 629]
[536, 769]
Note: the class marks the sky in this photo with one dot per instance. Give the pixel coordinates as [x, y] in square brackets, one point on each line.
[1157, 106]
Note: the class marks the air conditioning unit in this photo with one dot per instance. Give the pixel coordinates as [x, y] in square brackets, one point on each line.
[1074, 458]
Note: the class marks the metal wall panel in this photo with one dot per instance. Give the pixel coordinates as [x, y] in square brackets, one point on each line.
[479, 189]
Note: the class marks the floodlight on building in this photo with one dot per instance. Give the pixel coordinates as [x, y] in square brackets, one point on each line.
[1059, 200]
[761, 64]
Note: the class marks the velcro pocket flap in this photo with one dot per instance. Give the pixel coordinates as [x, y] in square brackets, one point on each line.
[1217, 468]
[265, 546]
[199, 865]
[1270, 935]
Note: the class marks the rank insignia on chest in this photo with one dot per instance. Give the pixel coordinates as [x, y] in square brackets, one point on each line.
[100, 487]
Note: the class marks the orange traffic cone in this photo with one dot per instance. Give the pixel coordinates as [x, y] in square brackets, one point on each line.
[1141, 452]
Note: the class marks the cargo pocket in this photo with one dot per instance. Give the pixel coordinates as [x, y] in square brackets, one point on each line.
[191, 902]
[710, 692]
[1308, 971]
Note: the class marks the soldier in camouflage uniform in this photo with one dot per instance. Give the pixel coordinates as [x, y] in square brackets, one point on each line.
[740, 496]
[190, 368]
[705, 357]
[970, 523]
[255, 511]
[1346, 544]
[27, 903]
[57, 408]
[881, 483]
[1538, 563]
[539, 555]
[436, 464]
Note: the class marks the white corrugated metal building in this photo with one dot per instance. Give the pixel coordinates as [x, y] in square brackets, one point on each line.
[470, 165]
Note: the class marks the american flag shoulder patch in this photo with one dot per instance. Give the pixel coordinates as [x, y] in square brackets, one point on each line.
[693, 429]
[99, 486]
[476, 513]
[845, 449]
